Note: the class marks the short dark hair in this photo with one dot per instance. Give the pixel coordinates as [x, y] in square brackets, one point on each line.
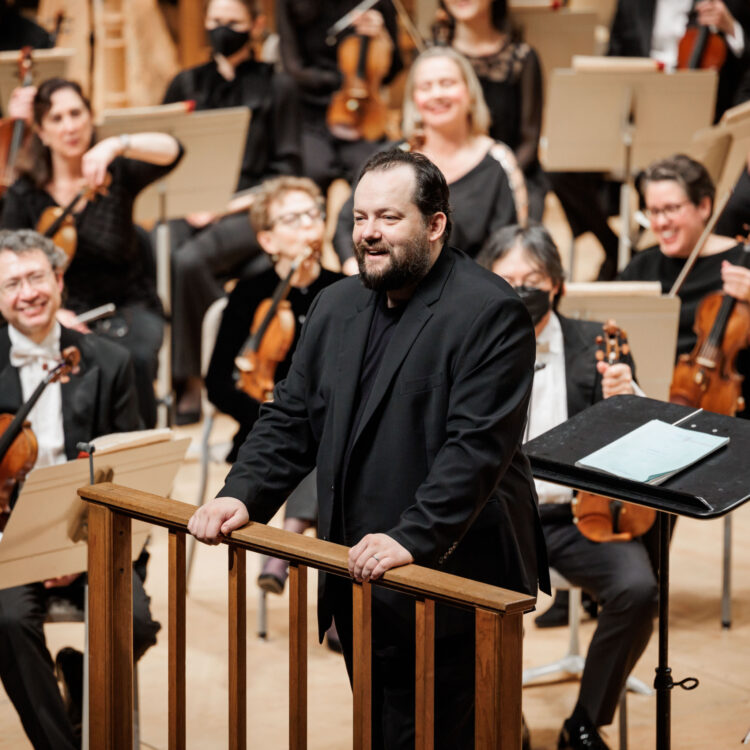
[431, 193]
[535, 241]
[20, 241]
[690, 174]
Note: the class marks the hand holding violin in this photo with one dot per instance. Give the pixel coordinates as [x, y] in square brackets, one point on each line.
[736, 280]
[715, 13]
[21, 104]
[370, 23]
[617, 379]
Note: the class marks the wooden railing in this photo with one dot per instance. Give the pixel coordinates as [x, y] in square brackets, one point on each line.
[498, 615]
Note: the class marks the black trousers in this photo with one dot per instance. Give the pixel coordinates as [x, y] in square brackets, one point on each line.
[393, 656]
[26, 667]
[201, 261]
[620, 576]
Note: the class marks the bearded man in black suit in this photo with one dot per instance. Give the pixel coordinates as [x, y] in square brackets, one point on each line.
[408, 391]
[568, 379]
[99, 399]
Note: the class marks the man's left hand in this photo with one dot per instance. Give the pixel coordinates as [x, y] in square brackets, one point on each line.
[617, 379]
[374, 554]
[715, 13]
[53, 583]
[736, 281]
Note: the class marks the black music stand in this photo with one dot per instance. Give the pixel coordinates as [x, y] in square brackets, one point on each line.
[711, 488]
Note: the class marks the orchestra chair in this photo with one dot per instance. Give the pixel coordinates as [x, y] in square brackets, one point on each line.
[60, 610]
[572, 663]
[209, 331]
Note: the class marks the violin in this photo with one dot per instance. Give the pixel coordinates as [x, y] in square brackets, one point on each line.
[18, 444]
[12, 131]
[271, 337]
[57, 222]
[707, 378]
[356, 110]
[599, 518]
[700, 48]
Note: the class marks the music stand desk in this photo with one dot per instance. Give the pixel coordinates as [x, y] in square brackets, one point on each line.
[711, 488]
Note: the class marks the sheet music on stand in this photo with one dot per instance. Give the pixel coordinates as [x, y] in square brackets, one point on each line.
[47, 63]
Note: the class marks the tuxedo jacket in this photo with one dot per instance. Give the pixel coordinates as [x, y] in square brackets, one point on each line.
[630, 36]
[99, 400]
[436, 461]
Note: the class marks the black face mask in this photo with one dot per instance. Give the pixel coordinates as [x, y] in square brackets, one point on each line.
[225, 41]
[536, 300]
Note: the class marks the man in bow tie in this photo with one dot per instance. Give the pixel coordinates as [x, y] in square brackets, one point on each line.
[99, 399]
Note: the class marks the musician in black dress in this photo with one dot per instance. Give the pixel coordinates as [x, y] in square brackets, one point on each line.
[208, 249]
[310, 57]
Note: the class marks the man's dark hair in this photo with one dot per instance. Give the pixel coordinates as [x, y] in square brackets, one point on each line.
[431, 194]
[690, 174]
[535, 241]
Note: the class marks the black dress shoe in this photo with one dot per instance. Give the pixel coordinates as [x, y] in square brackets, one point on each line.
[578, 733]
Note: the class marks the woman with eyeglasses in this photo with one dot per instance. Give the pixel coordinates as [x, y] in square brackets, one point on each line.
[679, 196]
[289, 222]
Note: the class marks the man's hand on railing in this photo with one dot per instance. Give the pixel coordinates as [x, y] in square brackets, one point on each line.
[374, 554]
[222, 515]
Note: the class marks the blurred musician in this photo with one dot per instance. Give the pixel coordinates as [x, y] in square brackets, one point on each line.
[311, 59]
[208, 249]
[99, 399]
[111, 262]
[567, 380]
[511, 79]
[287, 216]
[446, 119]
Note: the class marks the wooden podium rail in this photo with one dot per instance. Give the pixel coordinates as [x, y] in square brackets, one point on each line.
[498, 615]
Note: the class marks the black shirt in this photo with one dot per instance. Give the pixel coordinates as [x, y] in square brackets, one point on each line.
[109, 264]
[273, 145]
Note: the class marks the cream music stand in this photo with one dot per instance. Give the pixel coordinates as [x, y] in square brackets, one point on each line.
[613, 118]
[204, 180]
[43, 538]
[48, 63]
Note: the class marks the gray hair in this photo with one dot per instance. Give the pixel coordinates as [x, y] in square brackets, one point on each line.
[25, 240]
[479, 114]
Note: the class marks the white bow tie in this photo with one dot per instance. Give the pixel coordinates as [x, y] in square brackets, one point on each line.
[27, 352]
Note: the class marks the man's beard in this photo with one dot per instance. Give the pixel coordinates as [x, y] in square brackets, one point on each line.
[406, 268]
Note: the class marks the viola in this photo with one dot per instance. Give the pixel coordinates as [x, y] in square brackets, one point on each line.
[700, 48]
[18, 444]
[12, 131]
[603, 519]
[57, 223]
[356, 110]
[271, 337]
[707, 378]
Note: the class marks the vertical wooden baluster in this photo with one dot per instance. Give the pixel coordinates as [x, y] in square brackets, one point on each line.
[297, 657]
[176, 640]
[110, 630]
[362, 664]
[498, 681]
[424, 709]
[237, 650]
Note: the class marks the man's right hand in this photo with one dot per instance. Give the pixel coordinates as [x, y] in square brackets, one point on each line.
[220, 516]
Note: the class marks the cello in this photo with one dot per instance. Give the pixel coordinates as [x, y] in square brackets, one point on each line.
[18, 444]
[701, 47]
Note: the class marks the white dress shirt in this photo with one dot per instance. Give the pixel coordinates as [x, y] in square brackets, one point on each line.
[34, 361]
[548, 406]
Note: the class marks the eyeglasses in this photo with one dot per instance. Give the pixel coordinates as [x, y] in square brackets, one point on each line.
[35, 280]
[294, 219]
[669, 212]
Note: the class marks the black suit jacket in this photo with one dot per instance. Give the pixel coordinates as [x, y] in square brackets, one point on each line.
[99, 400]
[436, 461]
[630, 36]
